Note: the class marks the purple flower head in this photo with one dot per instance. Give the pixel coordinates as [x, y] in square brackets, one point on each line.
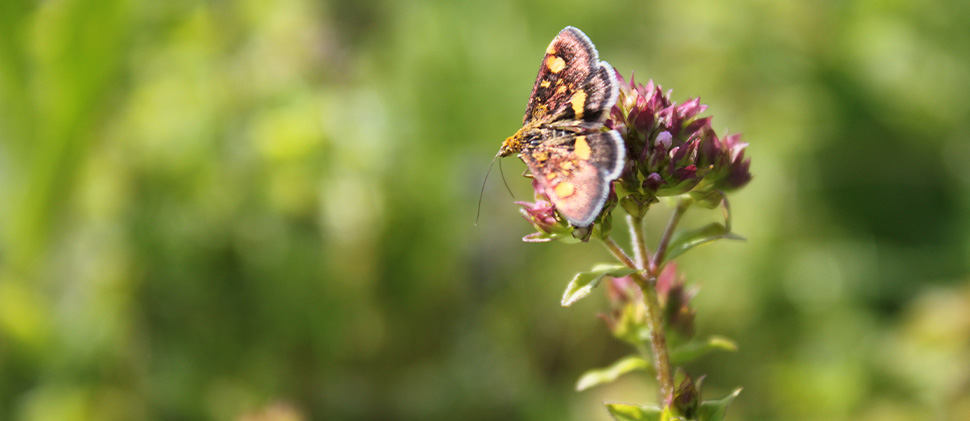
[674, 150]
[540, 214]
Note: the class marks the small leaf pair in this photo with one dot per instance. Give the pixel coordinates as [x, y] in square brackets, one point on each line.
[714, 410]
[685, 240]
[631, 363]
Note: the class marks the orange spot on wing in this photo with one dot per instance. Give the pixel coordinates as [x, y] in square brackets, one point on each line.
[564, 189]
[578, 101]
[544, 84]
[581, 148]
[555, 64]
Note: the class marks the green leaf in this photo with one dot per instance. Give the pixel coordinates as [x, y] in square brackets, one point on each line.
[608, 374]
[686, 240]
[696, 349]
[715, 410]
[584, 282]
[709, 199]
[627, 412]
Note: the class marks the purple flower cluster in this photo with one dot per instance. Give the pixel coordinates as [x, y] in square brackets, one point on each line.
[542, 216]
[670, 150]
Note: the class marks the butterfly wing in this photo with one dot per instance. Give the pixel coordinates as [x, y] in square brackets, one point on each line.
[576, 171]
[572, 83]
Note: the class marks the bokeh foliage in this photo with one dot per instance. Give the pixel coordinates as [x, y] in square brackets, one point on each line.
[212, 210]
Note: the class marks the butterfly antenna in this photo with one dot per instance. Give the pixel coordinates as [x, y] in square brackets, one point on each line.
[503, 180]
[482, 193]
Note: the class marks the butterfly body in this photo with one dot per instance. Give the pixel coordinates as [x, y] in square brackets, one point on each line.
[562, 139]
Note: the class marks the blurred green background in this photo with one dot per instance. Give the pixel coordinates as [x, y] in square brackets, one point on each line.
[264, 210]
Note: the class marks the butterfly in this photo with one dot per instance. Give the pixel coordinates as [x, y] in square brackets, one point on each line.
[562, 140]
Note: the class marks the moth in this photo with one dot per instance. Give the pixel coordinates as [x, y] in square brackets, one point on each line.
[562, 140]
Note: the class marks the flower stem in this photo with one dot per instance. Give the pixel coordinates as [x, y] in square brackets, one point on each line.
[619, 253]
[658, 259]
[639, 241]
[658, 338]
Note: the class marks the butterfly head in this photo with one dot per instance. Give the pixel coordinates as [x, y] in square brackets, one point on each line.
[511, 145]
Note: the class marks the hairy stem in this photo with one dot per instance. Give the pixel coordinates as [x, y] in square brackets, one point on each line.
[658, 338]
[639, 241]
[619, 253]
[646, 279]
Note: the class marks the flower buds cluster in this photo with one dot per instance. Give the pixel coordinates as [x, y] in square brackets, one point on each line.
[675, 300]
[626, 318]
[670, 150]
[542, 216]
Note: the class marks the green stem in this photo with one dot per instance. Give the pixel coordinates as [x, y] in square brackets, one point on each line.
[658, 338]
[639, 241]
[619, 253]
[648, 285]
[658, 259]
